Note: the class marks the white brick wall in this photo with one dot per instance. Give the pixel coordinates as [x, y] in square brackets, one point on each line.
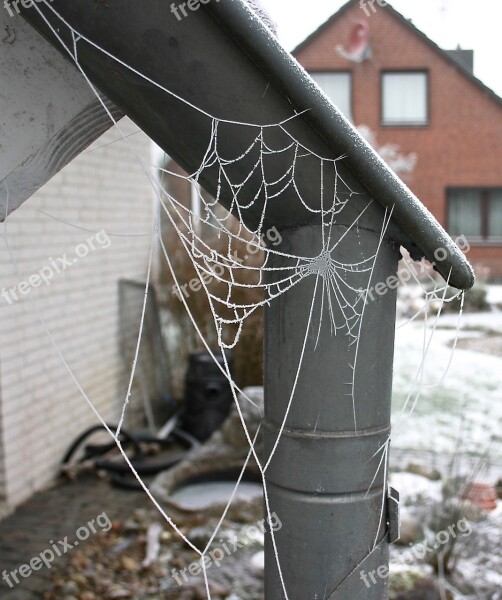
[41, 410]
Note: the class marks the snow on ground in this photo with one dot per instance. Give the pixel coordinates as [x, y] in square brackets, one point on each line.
[494, 294]
[413, 488]
[490, 322]
[457, 413]
[479, 559]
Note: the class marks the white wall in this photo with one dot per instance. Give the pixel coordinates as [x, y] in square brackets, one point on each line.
[41, 409]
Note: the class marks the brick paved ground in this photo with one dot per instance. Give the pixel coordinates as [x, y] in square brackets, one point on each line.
[52, 515]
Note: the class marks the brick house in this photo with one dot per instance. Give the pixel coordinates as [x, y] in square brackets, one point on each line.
[386, 75]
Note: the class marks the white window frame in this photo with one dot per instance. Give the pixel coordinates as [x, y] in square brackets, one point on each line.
[401, 117]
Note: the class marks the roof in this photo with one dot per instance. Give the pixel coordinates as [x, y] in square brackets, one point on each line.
[464, 57]
[267, 84]
[450, 56]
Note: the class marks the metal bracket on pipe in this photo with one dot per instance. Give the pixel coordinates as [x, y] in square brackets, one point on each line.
[393, 515]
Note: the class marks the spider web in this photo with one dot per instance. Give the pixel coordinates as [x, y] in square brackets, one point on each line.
[340, 291]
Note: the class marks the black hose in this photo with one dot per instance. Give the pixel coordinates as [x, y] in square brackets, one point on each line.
[143, 467]
[120, 471]
[91, 451]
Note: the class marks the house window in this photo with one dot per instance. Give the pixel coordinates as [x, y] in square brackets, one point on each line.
[338, 87]
[495, 214]
[475, 213]
[405, 98]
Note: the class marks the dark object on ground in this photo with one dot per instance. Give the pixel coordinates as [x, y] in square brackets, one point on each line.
[208, 394]
[97, 456]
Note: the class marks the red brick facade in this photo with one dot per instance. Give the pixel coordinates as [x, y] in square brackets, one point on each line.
[462, 144]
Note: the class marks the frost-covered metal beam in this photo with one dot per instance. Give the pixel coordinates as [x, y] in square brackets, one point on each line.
[48, 114]
[223, 60]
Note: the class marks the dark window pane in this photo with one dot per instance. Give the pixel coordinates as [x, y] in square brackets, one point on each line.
[495, 214]
[464, 213]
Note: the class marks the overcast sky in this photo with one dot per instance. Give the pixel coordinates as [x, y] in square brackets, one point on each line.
[473, 24]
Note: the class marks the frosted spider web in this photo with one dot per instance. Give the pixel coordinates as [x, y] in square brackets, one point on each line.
[342, 286]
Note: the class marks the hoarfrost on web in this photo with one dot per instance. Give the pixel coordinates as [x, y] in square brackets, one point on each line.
[210, 236]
